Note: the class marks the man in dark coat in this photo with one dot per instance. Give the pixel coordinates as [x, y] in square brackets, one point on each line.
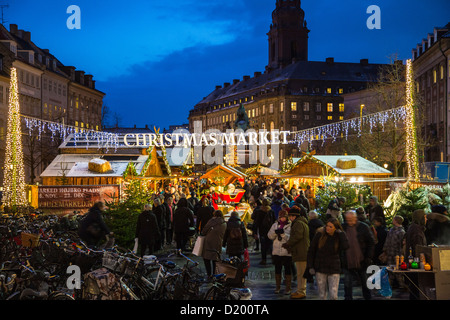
[234, 241]
[358, 256]
[92, 228]
[160, 213]
[438, 226]
[183, 220]
[147, 230]
[314, 223]
[301, 199]
[169, 209]
[203, 213]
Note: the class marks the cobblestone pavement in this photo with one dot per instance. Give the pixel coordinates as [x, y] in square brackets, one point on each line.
[261, 281]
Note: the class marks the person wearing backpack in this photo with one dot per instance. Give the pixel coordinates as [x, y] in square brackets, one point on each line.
[264, 218]
[235, 239]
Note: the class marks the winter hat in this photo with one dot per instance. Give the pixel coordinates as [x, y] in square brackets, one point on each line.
[418, 217]
[280, 196]
[282, 214]
[295, 211]
[439, 209]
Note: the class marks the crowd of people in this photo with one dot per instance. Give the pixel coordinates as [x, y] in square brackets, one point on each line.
[285, 227]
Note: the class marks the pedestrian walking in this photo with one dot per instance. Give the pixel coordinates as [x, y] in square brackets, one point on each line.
[92, 228]
[393, 246]
[147, 230]
[358, 256]
[203, 214]
[264, 218]
[169, 209]
[298, 245]
[235, 238]
[374, 209]
[325, 258]
[314, 223]
[160, 213]
[381, 234]
[183, 220]
[213, 231]
[279, 233]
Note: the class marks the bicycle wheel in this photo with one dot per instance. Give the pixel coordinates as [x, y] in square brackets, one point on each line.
[212, 293]
[60, 296]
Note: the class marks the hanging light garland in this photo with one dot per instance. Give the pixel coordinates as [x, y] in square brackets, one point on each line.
[411, 133]
[14, 194]
[102, 139]
[343, 129]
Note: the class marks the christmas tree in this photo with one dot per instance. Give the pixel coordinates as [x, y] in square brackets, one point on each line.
[14, 194]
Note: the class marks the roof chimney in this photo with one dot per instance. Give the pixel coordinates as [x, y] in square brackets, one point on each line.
[236, 81]
[246, 78]
[218, 87]
[257, 74]
[13, 28]
[226, 84]
[364, 62]
[26, 35]
[330, 60]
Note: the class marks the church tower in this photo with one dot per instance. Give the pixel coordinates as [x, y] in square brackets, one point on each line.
[288, 35]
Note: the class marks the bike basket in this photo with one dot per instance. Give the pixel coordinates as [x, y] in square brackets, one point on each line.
[29, 240]
[112, 261]
[229, 270]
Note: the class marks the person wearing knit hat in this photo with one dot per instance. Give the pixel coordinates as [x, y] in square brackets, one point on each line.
[279, 233]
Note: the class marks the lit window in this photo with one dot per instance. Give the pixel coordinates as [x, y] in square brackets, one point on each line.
[253, 113]
[96, 128]
[329, 90]
[330, 117]
[434, 76]
[271, 108]
[264, 109]
[76, 123]
[293, 106]
[281, 106]
[272, 126]
[442, 72]
[341, 91]
[341, 107]
[341, 118]
[82, 124]
[330, 107]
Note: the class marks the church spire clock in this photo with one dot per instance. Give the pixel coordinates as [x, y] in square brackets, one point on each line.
[288, 35]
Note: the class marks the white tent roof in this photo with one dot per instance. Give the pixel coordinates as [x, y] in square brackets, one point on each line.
[363, 166]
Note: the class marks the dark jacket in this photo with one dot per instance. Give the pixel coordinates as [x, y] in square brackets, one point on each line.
[203, 215]
[414, 236]
[304, 202]
[183, 217]
[167, 215]
[328, 258]
[437, 228]
[92, 218]
[147, 230]
[366, 242]
[214, 231]
[374, 212]
[259, 222]
[313, 225]
[235, 247]
[381, 240]
[160, 213]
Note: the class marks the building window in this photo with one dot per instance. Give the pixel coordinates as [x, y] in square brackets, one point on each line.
[341, 90]
[434, 76]
[306, 106]
[329, 90]
[294, 106]
[330, 117]
[442, 72]
[294, 128]
[330, 107]
[341, 118]
[305, 89]
[76, 123]
[257, 111]
[318, 117]
[272, 126]
[341, 107]
[271, 108]
[281, 106]
[263, 126]
[253, 113]
[318, 107]
[306, 116]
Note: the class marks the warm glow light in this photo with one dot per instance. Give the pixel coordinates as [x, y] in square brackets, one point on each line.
[411, 133]
[14, 186]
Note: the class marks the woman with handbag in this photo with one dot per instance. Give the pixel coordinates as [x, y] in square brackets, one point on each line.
[213, 233]
[279, 234]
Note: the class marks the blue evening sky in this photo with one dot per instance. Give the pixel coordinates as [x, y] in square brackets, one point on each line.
[156, 59]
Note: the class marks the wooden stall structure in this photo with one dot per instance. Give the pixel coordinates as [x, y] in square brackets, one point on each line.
[354, 169]
[260, 170]
[222, 175]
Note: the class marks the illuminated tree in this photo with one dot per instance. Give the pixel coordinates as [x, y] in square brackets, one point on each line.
[14, 187]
